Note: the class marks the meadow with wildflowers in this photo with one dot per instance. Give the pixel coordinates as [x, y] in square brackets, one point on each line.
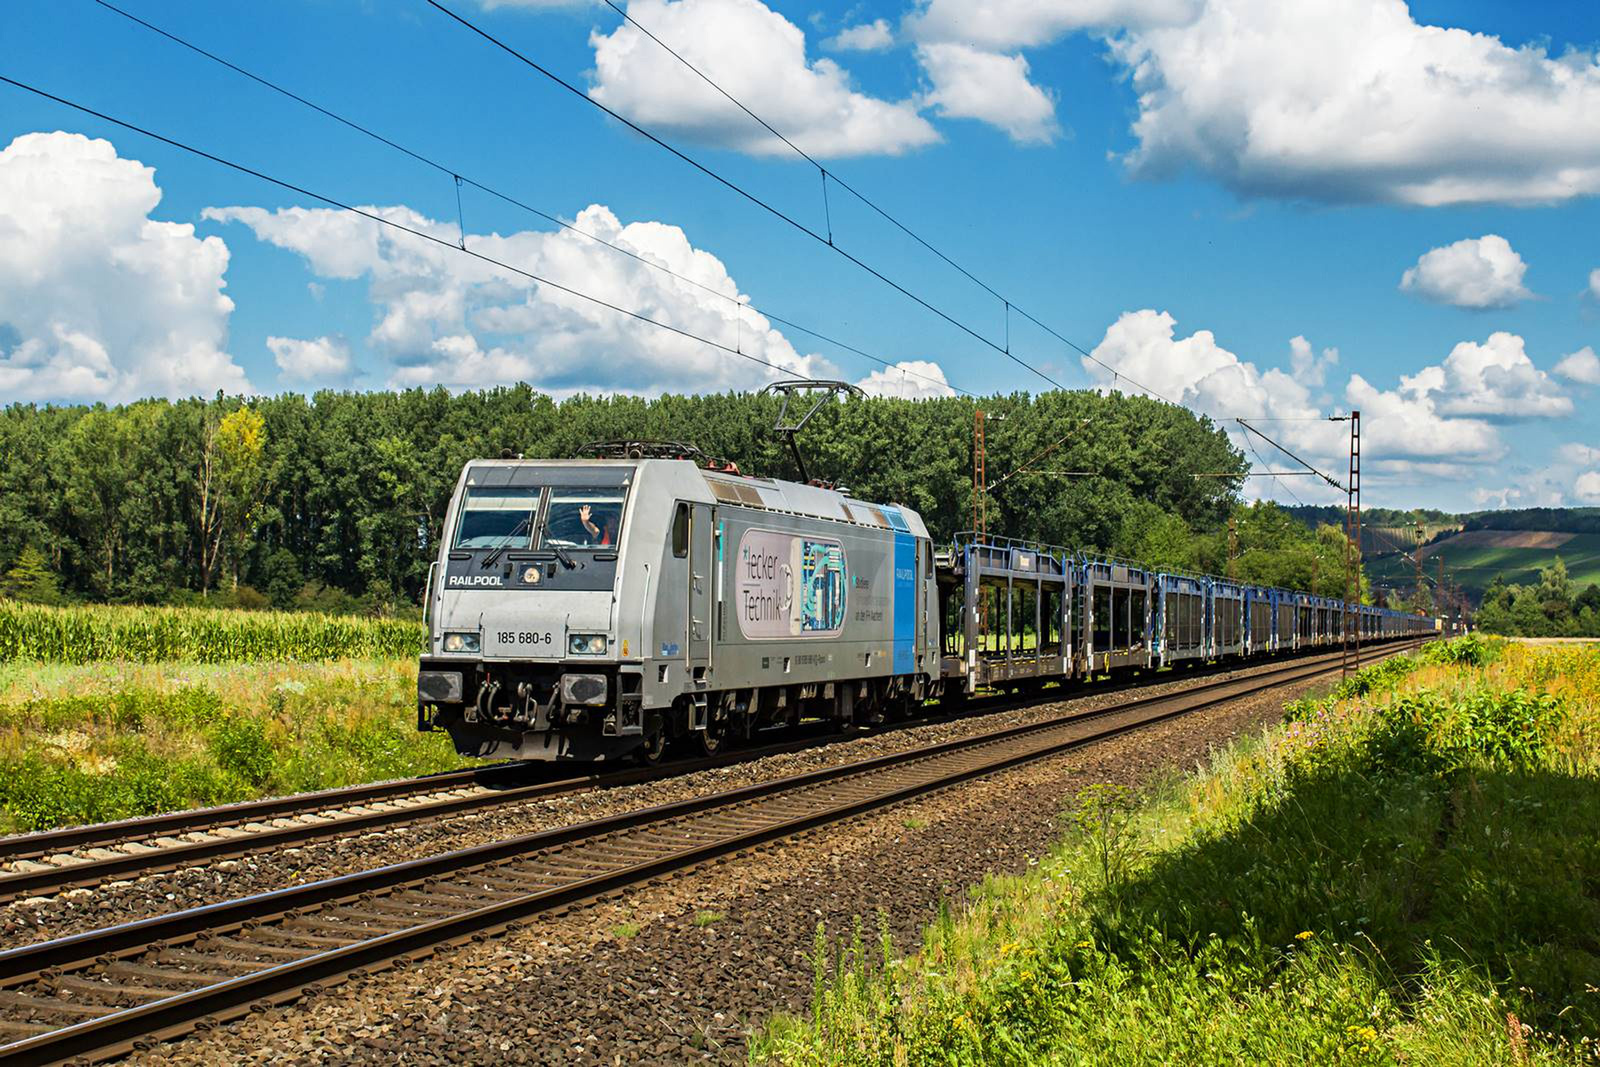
[1407, 870]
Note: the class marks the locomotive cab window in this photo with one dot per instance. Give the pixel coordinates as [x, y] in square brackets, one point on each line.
[495, 516]
[680, 530]
[584, 518]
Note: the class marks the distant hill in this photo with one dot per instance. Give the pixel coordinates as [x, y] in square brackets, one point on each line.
[1384, 530]
[1475, 546]
[1473, 558]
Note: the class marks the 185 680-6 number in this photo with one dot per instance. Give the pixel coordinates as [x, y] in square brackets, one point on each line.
[525, 637]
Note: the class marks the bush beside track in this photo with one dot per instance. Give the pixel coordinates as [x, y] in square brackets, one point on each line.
[1403, 872]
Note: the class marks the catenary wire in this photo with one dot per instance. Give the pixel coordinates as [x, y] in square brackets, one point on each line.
[506, 198]
[745, 193]
[877, 208]
[442, 242]
[1281, 483]
[1330, 480]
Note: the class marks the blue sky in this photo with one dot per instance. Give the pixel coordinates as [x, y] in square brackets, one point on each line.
[1208, 210]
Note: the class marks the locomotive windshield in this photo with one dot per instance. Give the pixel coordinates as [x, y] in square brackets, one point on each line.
[495, 515]
[508, 517]
[582, 517]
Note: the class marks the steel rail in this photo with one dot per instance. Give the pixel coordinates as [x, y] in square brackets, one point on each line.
[157, 860]
[50, 842]
[366, 920]
[150, 858]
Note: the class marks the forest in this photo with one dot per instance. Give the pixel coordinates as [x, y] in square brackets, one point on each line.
[334, 502]
[1553, 607]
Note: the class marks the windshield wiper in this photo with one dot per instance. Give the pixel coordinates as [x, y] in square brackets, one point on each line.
[505, 542]
[566, 560]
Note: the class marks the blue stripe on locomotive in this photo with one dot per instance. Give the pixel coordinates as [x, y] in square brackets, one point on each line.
[903, 628]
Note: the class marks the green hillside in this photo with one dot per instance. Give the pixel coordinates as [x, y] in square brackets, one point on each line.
[1473, 558]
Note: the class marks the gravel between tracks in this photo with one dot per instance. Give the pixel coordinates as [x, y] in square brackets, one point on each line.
[716, 951]
[78, 910]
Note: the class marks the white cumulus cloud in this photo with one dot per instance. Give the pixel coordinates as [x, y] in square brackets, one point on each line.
[1535, 489]
[1409, 422]
[1495, 378]
[1578, 454]
[1143, 347]
[1594, 283]
[914, 379]
[969, 83]
[1485, 272]
[1307, 364]
[1354, 100]
[759, 57]
[1407, 432]
[874, 36]
[1582, 366]
[1000, 25]
[98, 301]
[321, 359]
[445, 318]
[1587, 487]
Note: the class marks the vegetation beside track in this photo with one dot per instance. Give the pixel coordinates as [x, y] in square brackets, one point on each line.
[1405, 871]
[114, 740]
[90, 633]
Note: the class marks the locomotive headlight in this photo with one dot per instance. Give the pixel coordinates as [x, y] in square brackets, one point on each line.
[461, 642]
[586, 644]
[583, 688]
[530, 575]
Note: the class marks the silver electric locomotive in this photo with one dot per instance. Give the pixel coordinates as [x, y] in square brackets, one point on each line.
[595, 609]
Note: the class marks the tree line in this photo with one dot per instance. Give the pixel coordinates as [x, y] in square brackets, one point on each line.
[335, 501]
[1551, 607]
[1559, 520]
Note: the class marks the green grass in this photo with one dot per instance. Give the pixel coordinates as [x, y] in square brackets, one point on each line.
[97, 742]
[98, 633]
[706, 918]
[1474, 566]
[625, 931]
[1406, 871]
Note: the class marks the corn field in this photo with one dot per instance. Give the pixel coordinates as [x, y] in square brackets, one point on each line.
[37, 633]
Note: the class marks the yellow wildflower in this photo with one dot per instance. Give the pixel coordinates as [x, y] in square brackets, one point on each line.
[1304, 935]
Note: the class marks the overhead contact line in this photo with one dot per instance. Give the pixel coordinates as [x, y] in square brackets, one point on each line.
[459, 179]
[887, 217]
[441, 242]
[764, 205]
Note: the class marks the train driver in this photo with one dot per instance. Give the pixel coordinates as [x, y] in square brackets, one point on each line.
[602, 528]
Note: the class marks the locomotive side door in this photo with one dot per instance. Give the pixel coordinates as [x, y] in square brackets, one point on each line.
[701, 602]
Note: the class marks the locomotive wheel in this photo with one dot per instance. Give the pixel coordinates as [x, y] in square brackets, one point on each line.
[713, 738]
[655, 742]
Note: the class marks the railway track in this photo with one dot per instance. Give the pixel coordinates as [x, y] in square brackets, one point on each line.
[42, 864]
[100, 994]
[78, 857]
